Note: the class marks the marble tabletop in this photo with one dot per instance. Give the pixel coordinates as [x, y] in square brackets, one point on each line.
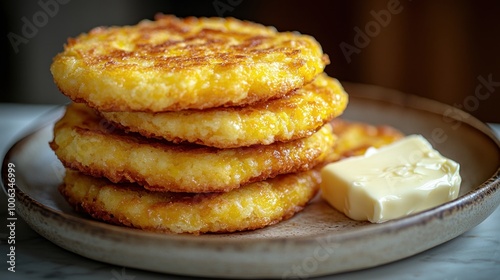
[473, 255]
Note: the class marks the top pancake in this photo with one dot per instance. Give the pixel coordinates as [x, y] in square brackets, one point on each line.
[173, 64]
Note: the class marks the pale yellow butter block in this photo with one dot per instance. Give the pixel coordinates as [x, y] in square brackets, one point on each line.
[404, 177]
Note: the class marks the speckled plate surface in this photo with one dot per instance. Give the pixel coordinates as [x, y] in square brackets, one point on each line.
[317, 241]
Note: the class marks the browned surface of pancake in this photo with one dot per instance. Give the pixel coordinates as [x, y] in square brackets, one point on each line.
[172, 64]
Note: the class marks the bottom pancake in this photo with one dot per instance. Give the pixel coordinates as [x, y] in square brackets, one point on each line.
[250, 207]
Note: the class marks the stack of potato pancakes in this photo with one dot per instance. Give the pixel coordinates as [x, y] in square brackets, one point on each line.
[194, 125]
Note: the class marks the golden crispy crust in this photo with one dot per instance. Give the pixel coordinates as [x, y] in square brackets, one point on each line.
[84, 142]
[250, 207]
[288, 118]
[172, 64]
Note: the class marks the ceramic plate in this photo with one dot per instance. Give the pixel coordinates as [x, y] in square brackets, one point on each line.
[317, 241]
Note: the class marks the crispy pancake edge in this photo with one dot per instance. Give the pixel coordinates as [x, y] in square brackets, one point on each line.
[292, 117]
[251, 207]
[82, 143]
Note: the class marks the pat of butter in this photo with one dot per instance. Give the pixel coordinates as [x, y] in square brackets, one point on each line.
[401, 178]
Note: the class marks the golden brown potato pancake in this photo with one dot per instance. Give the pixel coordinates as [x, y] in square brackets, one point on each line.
[250, 207]
[172, 64]
[288, 118]
[354, 138]
[83, 141]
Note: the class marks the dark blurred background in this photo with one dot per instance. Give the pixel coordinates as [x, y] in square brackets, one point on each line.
[445, 50]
